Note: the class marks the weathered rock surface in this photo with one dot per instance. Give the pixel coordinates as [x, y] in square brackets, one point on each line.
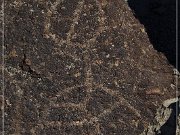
[159, 19]
[1, 36]
[78, 67]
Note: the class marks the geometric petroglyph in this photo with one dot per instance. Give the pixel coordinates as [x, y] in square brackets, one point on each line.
[72, 69]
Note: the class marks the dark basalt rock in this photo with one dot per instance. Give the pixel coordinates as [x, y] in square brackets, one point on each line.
[159, 19]
[79, 67]
[1, 82]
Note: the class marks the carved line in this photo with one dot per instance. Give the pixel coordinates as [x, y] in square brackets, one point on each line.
[76, 15]
[68, 90]
[122, 100]
[67, 53]
[47, 23]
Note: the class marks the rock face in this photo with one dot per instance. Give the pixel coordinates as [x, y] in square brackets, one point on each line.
[159, 19]
[1, 37]
[79, 67]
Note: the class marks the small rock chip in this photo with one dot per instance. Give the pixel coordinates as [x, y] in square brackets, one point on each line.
[154, 91]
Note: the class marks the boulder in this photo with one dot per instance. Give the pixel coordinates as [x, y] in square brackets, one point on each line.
[78, 67]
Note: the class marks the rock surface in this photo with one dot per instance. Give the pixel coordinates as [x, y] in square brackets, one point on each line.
[78, 67]
[1, 37]
[159, 19]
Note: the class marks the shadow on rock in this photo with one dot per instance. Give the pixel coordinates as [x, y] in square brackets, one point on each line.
[159, 19]
[169, 128]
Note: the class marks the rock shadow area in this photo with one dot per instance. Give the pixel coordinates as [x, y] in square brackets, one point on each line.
[159, 20]
[169, 128]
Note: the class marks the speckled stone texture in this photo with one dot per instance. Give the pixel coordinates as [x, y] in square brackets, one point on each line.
[1, 84]
[80, 67]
